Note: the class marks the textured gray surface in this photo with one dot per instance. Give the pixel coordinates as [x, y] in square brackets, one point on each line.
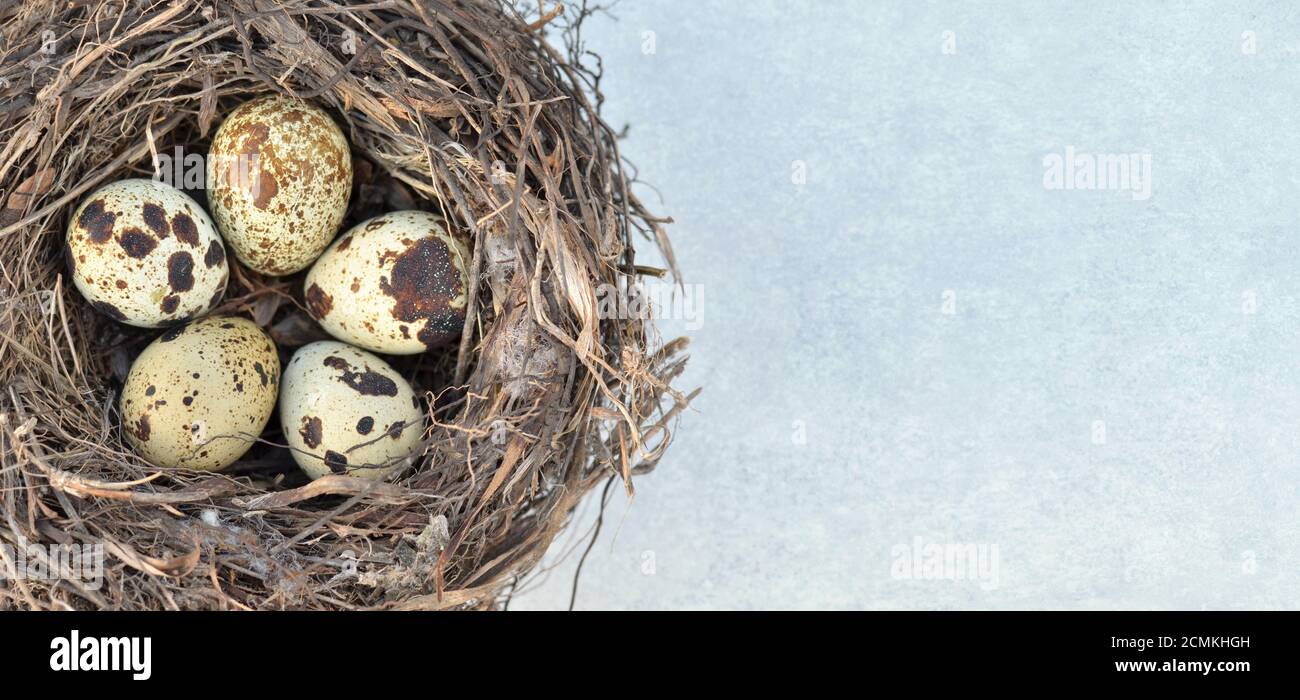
[1167, 323]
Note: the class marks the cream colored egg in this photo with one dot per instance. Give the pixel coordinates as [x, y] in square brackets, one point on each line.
[199, 395]
[345, 411]
[279, 178]
[394, 284]
[144, 253]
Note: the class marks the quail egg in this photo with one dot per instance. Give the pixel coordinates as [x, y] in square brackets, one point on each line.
[144, 253]
[345, 411]
[279, 177]
[199, 395]
[394, 284]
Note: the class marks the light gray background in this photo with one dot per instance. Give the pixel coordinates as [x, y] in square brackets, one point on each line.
[1172, 320]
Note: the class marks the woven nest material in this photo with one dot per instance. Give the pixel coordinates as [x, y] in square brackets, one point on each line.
[459, 107]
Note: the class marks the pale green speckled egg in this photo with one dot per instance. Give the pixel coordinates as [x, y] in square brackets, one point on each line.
[345, 411]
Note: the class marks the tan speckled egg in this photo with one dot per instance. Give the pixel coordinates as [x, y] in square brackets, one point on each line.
[144, 253]
[199, 395]
[279, 177]
[394, 284]
[345, 411]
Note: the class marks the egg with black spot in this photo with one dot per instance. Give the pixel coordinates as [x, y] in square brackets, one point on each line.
[144, 253]
[201, 394]
[279, 178]
[345, 411]
[396, 284]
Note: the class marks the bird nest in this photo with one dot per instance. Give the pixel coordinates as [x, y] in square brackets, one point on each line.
[459, 107]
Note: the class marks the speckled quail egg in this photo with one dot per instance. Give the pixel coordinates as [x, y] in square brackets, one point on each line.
[144, 253]
[279, 177]
[394, 284]
[345, 411]
[199, 395]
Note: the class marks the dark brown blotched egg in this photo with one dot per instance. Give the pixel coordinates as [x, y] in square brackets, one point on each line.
[394, 284]
[144, 253]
